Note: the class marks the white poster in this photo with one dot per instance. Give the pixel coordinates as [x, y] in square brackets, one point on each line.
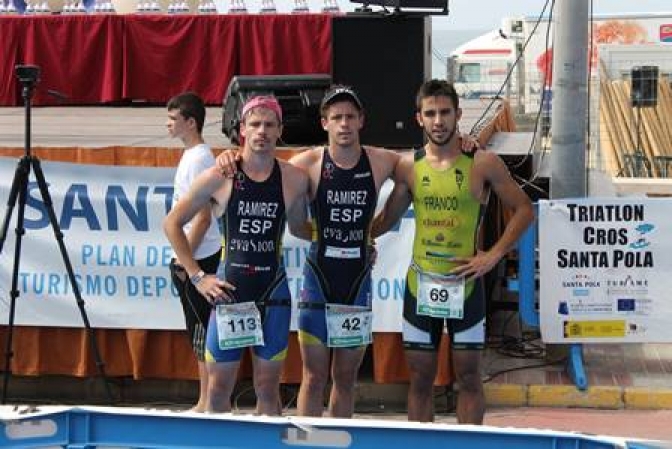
[111, 219]
[605, 270]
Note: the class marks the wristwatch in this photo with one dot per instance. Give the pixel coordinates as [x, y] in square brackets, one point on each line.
[197, 278]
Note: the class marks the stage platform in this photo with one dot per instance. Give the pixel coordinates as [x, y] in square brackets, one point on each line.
[139, 126]
[97, 127]
[81, 427]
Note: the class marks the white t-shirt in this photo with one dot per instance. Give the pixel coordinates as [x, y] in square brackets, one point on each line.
[195, 161]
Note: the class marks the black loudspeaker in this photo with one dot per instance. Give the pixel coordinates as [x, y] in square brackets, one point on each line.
[298, 95]
[385, 59]
[644, 92]
[409, 6]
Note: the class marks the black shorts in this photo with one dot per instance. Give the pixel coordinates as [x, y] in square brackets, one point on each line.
[195, 307]
[424, 333]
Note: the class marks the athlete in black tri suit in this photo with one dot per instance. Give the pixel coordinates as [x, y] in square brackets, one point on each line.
[338, 265]
[335, 306]
[252, 300]
[252, 226]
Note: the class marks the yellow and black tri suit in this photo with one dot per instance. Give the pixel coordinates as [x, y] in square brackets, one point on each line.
[447, 220]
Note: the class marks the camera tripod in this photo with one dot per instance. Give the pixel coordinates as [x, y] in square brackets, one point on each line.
[29, 76]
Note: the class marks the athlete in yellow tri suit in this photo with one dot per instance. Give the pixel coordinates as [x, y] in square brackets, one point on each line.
[448, 217]
[448, 190]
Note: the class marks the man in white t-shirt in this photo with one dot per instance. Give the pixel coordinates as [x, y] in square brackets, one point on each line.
[186, 116]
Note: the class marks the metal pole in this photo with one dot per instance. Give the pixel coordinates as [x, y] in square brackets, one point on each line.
[570, 99]
[520, 79]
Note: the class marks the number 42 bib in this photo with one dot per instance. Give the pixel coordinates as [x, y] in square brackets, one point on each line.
[348, 326]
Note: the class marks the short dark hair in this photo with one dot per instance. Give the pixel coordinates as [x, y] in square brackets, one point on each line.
[190, 106]
[436, 88]
[340, 92]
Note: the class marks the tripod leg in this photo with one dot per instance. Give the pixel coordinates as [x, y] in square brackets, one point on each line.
[21, 173]
[46, 198]
[20, 190]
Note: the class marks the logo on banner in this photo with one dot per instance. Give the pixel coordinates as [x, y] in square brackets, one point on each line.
[626, 304]
[594, 329]
[579, 307]
[627, 285]
[642, 241]
[636, 329]
[580, 283]
[666, 33]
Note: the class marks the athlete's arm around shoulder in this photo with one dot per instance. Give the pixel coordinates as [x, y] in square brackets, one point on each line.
[295, 186]
[307, 159]
[400, 197]
[310, 161]
[497, 175]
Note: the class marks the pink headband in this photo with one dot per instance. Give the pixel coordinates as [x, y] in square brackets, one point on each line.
[263, 102]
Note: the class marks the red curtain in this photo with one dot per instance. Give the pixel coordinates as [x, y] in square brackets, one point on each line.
[167, 55]
[80, 56]
[275, 45]
[10, 39]
[102, 58]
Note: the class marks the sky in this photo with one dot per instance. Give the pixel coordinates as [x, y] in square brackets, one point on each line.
[488, 14]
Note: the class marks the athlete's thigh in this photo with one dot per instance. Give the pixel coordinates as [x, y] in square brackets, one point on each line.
[312, 315]
[222, 375]
[315, 358]
[347, 360]
[422, 361]
[266, 372]
[466, 362]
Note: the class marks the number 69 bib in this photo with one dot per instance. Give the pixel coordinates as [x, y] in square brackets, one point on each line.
[238, 325]
[440, 297]
[348, 326]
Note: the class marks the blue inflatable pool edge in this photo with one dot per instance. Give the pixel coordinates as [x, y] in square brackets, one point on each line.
[89, 427]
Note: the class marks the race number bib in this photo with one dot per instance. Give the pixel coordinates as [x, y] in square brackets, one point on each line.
[348, 326]
[440, 296]
[239, 325]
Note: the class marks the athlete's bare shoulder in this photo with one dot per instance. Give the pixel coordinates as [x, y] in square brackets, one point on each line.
[488, 161]
[383, 161]
[307, 158]
[382, 155]
[291, 170]
[406, 158]
[483, 156]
